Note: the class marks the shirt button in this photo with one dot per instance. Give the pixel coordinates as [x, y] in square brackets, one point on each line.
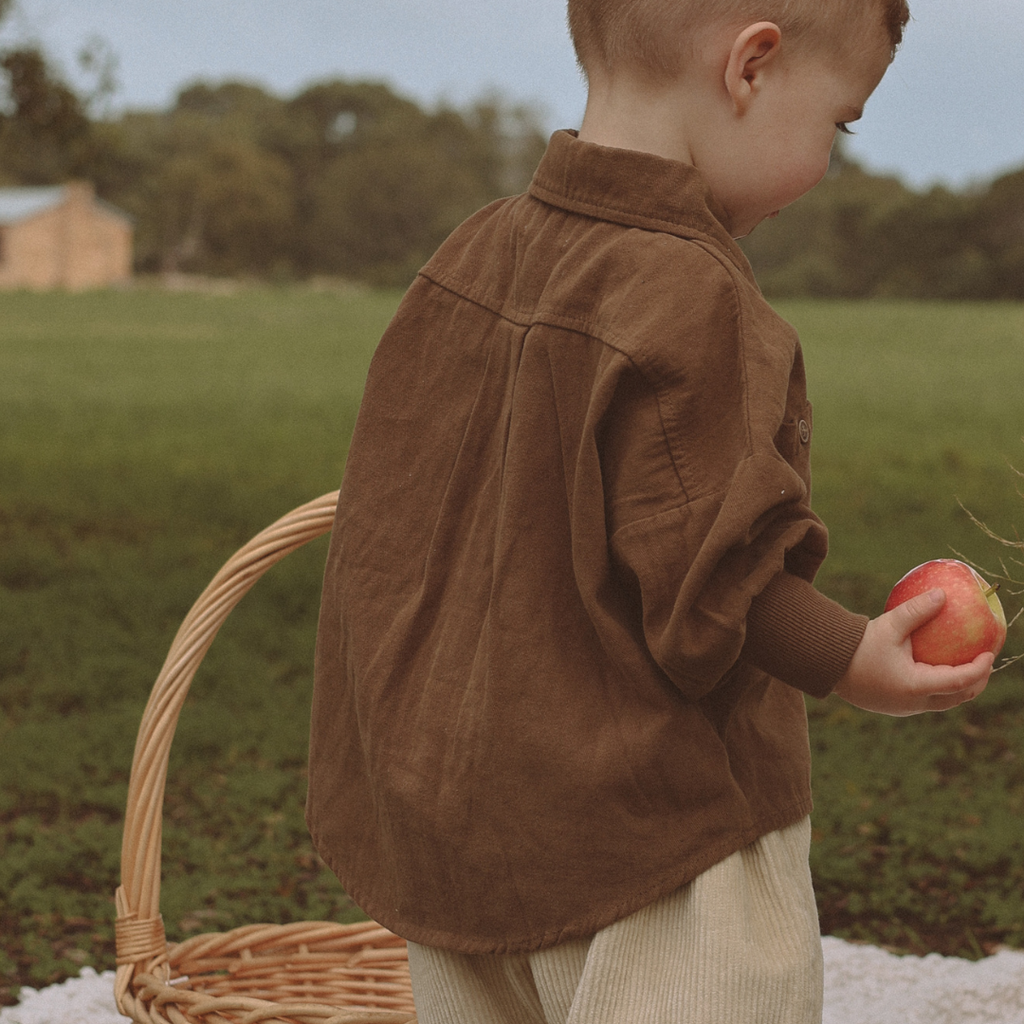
[805, 431]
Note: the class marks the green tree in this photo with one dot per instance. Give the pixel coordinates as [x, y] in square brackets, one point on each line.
[331, 122]
[926, 247]
[44, 132]
[822, 245]
[1000, 221]
[393, 182]
[861, 235]
[345, 178]
[207, 194]
[383, 182]
[226, 210]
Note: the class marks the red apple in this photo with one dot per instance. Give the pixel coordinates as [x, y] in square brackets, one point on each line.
[971, 621]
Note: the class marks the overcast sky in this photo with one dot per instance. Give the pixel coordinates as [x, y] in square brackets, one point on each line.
[951, 109]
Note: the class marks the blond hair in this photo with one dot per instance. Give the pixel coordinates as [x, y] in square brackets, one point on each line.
[650, 37]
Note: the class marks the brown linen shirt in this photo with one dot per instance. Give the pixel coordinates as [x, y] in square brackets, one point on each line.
[573, 539]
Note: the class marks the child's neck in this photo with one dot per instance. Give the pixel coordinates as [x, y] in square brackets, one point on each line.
[628, 114]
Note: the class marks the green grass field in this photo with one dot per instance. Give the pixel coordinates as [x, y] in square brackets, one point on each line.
[144, 436]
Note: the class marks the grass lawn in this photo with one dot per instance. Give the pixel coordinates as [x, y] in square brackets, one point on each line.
[919, 823]
[144, 436]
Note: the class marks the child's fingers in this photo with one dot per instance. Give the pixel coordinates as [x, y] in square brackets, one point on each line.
[969, 679]
[883, 676]
[910, 615]
[949, 686]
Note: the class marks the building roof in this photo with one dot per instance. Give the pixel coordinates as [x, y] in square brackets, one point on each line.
[21, 203]
[18, 204]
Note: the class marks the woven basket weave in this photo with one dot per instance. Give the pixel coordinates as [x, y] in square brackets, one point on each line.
[304, 973]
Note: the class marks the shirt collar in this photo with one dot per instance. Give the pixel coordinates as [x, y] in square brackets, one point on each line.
[631, 188]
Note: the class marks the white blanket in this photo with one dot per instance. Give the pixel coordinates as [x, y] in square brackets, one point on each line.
[863, 985]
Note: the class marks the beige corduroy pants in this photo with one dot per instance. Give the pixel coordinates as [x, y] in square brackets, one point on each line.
[739, 945]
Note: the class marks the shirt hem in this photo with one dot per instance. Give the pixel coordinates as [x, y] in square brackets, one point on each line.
[580, 928]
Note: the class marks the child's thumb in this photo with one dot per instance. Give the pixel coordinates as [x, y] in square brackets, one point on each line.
[917, 611]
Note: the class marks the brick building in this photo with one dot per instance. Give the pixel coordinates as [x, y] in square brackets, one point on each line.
[62, 237]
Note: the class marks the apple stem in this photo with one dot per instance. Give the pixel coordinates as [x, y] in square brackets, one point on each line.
[992, 590]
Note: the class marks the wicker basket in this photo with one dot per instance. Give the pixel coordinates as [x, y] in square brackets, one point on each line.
[315, 972]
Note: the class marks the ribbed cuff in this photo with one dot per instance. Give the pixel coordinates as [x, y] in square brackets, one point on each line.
[801, 637]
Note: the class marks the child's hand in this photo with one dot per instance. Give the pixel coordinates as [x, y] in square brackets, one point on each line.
[884, 677]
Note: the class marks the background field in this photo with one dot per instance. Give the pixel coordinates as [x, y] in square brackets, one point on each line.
[145, 435]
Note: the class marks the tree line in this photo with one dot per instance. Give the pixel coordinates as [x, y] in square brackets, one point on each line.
[350, 179]
[343, 179]
[859, 235]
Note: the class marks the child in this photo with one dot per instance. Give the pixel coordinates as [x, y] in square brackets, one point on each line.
[559, 740]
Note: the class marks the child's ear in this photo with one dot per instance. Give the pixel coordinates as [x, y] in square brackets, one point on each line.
[752, 51]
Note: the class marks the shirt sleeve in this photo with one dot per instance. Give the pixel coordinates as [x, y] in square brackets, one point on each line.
[704, 571]
[797, 634]
[707, 481]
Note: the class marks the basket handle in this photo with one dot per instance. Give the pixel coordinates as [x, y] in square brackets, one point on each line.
[141, 942]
